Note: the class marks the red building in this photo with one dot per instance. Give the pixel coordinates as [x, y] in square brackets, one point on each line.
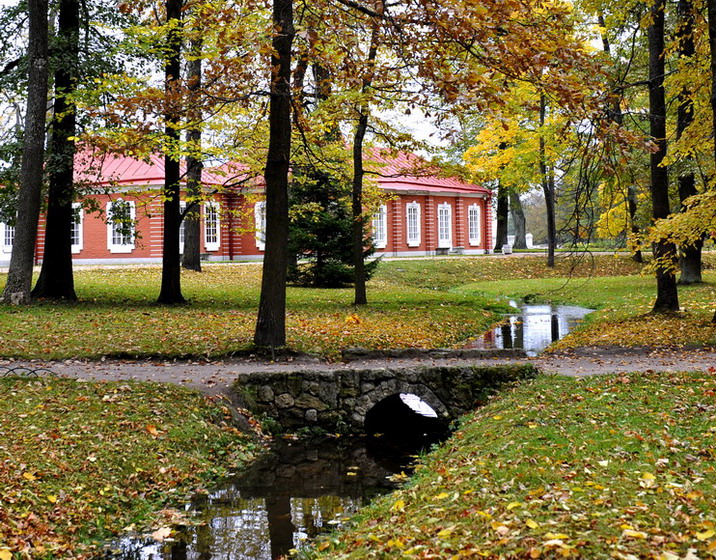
[424, 214]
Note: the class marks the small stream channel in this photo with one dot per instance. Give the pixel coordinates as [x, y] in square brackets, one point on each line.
[301, 488]
[292, 493]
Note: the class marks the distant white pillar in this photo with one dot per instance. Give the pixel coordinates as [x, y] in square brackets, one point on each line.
[528, 241]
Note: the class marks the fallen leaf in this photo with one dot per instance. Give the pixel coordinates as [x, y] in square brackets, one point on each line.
[162, 533]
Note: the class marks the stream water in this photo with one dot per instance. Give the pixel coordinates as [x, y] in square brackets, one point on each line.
[295, 491]
[533, 328]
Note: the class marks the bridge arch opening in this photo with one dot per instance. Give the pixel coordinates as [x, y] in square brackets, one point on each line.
[405, 416]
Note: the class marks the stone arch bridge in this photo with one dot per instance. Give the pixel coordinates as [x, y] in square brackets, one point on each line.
[339, 400]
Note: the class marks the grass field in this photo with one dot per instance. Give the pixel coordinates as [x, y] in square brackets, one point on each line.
[412, 303]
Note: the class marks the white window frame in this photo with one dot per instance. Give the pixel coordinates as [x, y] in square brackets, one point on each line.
[7, 231]
[260, 224]
[182, 226]
[444, 212]
[412, 214]
[120, 247]
[212, 207]
[380, 227]
[78, 218]
[473, 224]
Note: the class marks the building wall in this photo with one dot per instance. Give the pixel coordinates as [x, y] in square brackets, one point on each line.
[237, 229]
[429, 205]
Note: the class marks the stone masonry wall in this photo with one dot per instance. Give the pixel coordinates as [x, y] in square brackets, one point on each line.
[338, 400]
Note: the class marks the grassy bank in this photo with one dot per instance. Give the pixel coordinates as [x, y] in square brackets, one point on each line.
[80, 462]
[615, 467]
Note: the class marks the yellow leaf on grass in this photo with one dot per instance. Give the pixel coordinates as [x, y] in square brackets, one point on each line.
[706, 535]
[441, 496]
[634, 534]
[513, 505]
[52, 499]
[444, 533]
[152, 429]
[29, 476]
[5, 554]
[531, 523]
[398, 505]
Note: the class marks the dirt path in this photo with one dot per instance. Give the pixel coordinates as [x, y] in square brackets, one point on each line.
[217, 376]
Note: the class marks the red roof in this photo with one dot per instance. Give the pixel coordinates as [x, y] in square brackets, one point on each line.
[408, 172]
[394, 172]
[114, 169]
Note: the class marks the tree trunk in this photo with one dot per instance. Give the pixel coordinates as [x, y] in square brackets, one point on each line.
[19, 279]
[271, 321]
[667, 298]
[359, 275]
[547, 186]
[690, 258]
[56, 280]
[711, 8]
[191, 259]
[501, 212]
[170, 292]
[518, 219]
[360, 294]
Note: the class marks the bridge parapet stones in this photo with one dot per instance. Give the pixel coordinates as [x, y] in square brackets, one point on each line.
[338, 400]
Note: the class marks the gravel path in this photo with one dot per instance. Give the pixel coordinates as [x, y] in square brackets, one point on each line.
[216, 376]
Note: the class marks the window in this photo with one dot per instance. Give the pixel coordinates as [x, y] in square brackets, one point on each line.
[473, 220]
[76, 234]
[412, 217]
[380, 227]
[182, 226]
[260, 224]
[444, 225]
[212, 237]
[120, 226]
[8, 237]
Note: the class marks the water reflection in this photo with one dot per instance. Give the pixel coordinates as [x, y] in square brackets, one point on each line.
[532, 329]
[291, 494]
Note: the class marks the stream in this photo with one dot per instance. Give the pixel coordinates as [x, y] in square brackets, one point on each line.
[292, 493]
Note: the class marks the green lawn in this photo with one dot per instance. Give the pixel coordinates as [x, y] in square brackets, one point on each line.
[613, 467]
[412, 303]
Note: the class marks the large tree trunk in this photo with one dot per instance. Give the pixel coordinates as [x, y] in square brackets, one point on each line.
[359, 280]
[359, 275]
[170, 292]
[519, 221]
[271, 321]
[56, 279]
[548, 188]
[615, 113]
[191, 259]
[501, 213]
[711, 8]
[19, 279]
[667, 298]
[690, 259]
